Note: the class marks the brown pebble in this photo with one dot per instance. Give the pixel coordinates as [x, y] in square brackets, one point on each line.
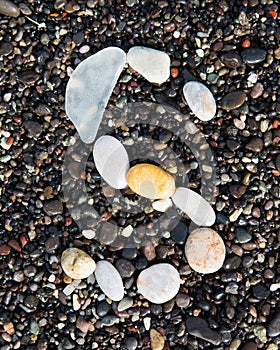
[9, 328]
[149, 250]
[82, 325]
[8, 8]
[231, 60]
[255, 144]
[233, 100]
[29, 77]
[5, 249]
[257, 91]
[169, 28]
[174, 72]
[14, 244]
[218, 46]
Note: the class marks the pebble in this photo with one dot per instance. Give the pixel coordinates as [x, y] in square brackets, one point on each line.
[274, 326]
[77, 264]
[233, 100]
[257, 91]
[200, 100]
[198, 327]
[5, 249]
[162, 204]
[205, 250]
[183, 300]
[6, 48]
[232, 263]
[253, 55]
[231, 60]
[195, 206]
[111, 161]
[260, 332]
[179, 233]
[86, 99]
[159, 283]
[255, 144]
[242, 236]
[9, 9]
[131, 343]
[53, 207]
[125, 268]
[249, 346]
[261, 292]
[149, 250]
[109, 280]
[153, 65]
[125, 304]
[150, 181]
[157, 340]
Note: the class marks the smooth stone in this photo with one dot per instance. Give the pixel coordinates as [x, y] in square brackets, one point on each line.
[111, 161]
[8, 8]
[195, 206]
[77, 264]
[253, 55]
[232, 263]
[159, 283]
[162, 204]
[261, 292]
[89, 89]
[150, 181]
[179, 233]
[109, 280]
[125, 268]
[249, 346]
[200, 100]
[255, 144]
[231, 60]
[198, 327]
[233, 100]
[242, 235]
[205, 250]
[274, 326]
[153, 65]
[157, 340]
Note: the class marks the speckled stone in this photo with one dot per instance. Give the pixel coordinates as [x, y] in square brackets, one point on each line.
[77, 264]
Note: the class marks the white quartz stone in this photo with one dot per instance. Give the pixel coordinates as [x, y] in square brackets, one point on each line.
[200, 100]
[154, 65]
[162, 204]
[195, 206]
[111, 161]
[89, 89]
[205, 250]
[76, 263]
[159, 283]
[109, 280]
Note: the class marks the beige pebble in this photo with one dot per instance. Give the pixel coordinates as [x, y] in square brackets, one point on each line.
[77, 264]
[157, 340]
[205, 250]
[150, 181]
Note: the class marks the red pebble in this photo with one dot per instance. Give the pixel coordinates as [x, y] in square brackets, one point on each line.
[245, 43]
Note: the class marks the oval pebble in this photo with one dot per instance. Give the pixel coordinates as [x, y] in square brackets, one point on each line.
[150, 181]
[8, 8]
[109, 280]
[89, 89]
[253, 55]
[154, 65]
[195, 206]
[159, 283]
[233, 100]
[205, 250]
[77, 264]
[200, 100]
[111, 161]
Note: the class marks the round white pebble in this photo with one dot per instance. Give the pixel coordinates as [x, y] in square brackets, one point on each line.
[159, 283]
[76, 263]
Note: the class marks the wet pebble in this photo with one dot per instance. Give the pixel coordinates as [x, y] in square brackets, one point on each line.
[253, 55]
[5, 48]
[261, 292]
[233, 100]
[249, 346]
[257, 91]
[255, 144]
[125, 268]
[231, 60]
[274, 325]
[53, 207]
[8, 8]
[198, 327]
[157, 340]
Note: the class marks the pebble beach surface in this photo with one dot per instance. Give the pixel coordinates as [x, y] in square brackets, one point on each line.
[66, 288]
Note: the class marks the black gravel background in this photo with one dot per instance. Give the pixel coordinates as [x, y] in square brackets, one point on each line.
[241, 301]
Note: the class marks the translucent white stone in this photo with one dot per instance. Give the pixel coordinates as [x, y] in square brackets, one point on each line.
[77, 264]
[200, 100]
[195, 206]
[154, 65]
[89, 89]
[205, 250]
[162, 204]
[111, 161]
[159, 283]
[109, 280]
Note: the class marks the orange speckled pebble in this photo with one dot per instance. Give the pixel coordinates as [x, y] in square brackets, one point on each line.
[205, 250]
[150, 181]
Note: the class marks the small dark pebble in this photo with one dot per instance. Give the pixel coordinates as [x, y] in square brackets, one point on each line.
[33, 128]
[233, 100]
[261, 292]
[198, 327]
[103, 308]
[52, 243]
[129, 253]
[249, 346]
[182, 300]
[255, 144]
[28, 77]
[125, 268]
[242, 235]
[253, 55]
[8, 8]
[179, 233]
[231, 60]
[274, 326]
[131, 343]
[5, 249]
[53, 207]
[31, 301]
[5, 48]
[232, 263]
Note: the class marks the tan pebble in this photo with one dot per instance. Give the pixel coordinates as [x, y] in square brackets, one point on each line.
[9, 328]
[205, 250]
[77, 264]
[150, 181]
[157, 340]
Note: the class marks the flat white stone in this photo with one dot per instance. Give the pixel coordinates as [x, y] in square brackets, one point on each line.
[195, 206]
[111, 161]
[89, 89]
[76, 263]
[162, 204]
[159, 283]
[109, 280]
[200, 100]
[154, 65]
[205, 250]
